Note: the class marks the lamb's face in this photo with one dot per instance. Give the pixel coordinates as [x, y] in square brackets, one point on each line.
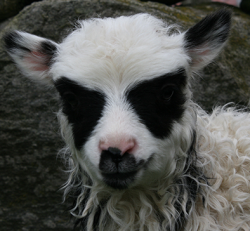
[124, 89]
[120, 134]
[121, 97]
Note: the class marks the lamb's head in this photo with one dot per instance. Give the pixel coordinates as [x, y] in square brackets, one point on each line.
[124, 86]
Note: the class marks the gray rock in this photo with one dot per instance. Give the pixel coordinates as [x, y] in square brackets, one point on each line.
[31, 174]
[9, 8]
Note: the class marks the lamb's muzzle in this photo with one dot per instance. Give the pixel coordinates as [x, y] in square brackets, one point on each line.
[118, 170]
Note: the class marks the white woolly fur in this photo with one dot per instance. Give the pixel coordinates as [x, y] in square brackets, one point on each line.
[224, 148]
[102, 52]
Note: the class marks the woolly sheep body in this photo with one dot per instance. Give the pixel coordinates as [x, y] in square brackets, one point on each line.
[125, 83]
[223, 144]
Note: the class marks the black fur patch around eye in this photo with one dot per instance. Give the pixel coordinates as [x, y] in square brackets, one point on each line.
[86, 110]
[155, 110]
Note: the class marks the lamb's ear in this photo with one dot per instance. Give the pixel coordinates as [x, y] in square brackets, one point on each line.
[204, 40]
[33, 54]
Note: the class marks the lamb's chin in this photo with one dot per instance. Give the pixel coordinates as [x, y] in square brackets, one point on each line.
[119, 180]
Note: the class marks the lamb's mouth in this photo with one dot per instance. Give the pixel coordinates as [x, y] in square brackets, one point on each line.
[119, 171]
[119, 180]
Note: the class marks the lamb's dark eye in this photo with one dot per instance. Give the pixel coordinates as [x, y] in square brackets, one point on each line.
[167, 92]
[71, 99]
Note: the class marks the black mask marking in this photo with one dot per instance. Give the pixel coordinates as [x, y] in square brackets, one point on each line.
[82, 106]
[159, 102]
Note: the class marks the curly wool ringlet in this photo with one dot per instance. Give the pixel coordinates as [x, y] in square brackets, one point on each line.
[140, 155]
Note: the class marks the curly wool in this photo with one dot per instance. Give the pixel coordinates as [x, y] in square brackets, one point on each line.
[223, 143]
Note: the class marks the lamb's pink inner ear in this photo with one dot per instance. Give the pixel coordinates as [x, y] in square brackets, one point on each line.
[204, 40]
[37, 61]
[198, 56]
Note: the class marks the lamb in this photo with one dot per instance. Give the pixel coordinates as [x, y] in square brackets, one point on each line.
[141, 155]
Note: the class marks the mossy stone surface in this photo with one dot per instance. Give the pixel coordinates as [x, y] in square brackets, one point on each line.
[9, 8]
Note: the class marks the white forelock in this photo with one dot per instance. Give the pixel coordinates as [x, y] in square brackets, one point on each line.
[108, 53]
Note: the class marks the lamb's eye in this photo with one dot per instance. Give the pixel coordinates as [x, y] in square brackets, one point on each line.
[167, 92]
[71, 99]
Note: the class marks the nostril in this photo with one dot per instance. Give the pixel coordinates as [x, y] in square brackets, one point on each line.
[115, 154]
[110, 160]
[114, 151]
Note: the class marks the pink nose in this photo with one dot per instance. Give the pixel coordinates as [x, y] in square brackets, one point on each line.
[125, 145]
